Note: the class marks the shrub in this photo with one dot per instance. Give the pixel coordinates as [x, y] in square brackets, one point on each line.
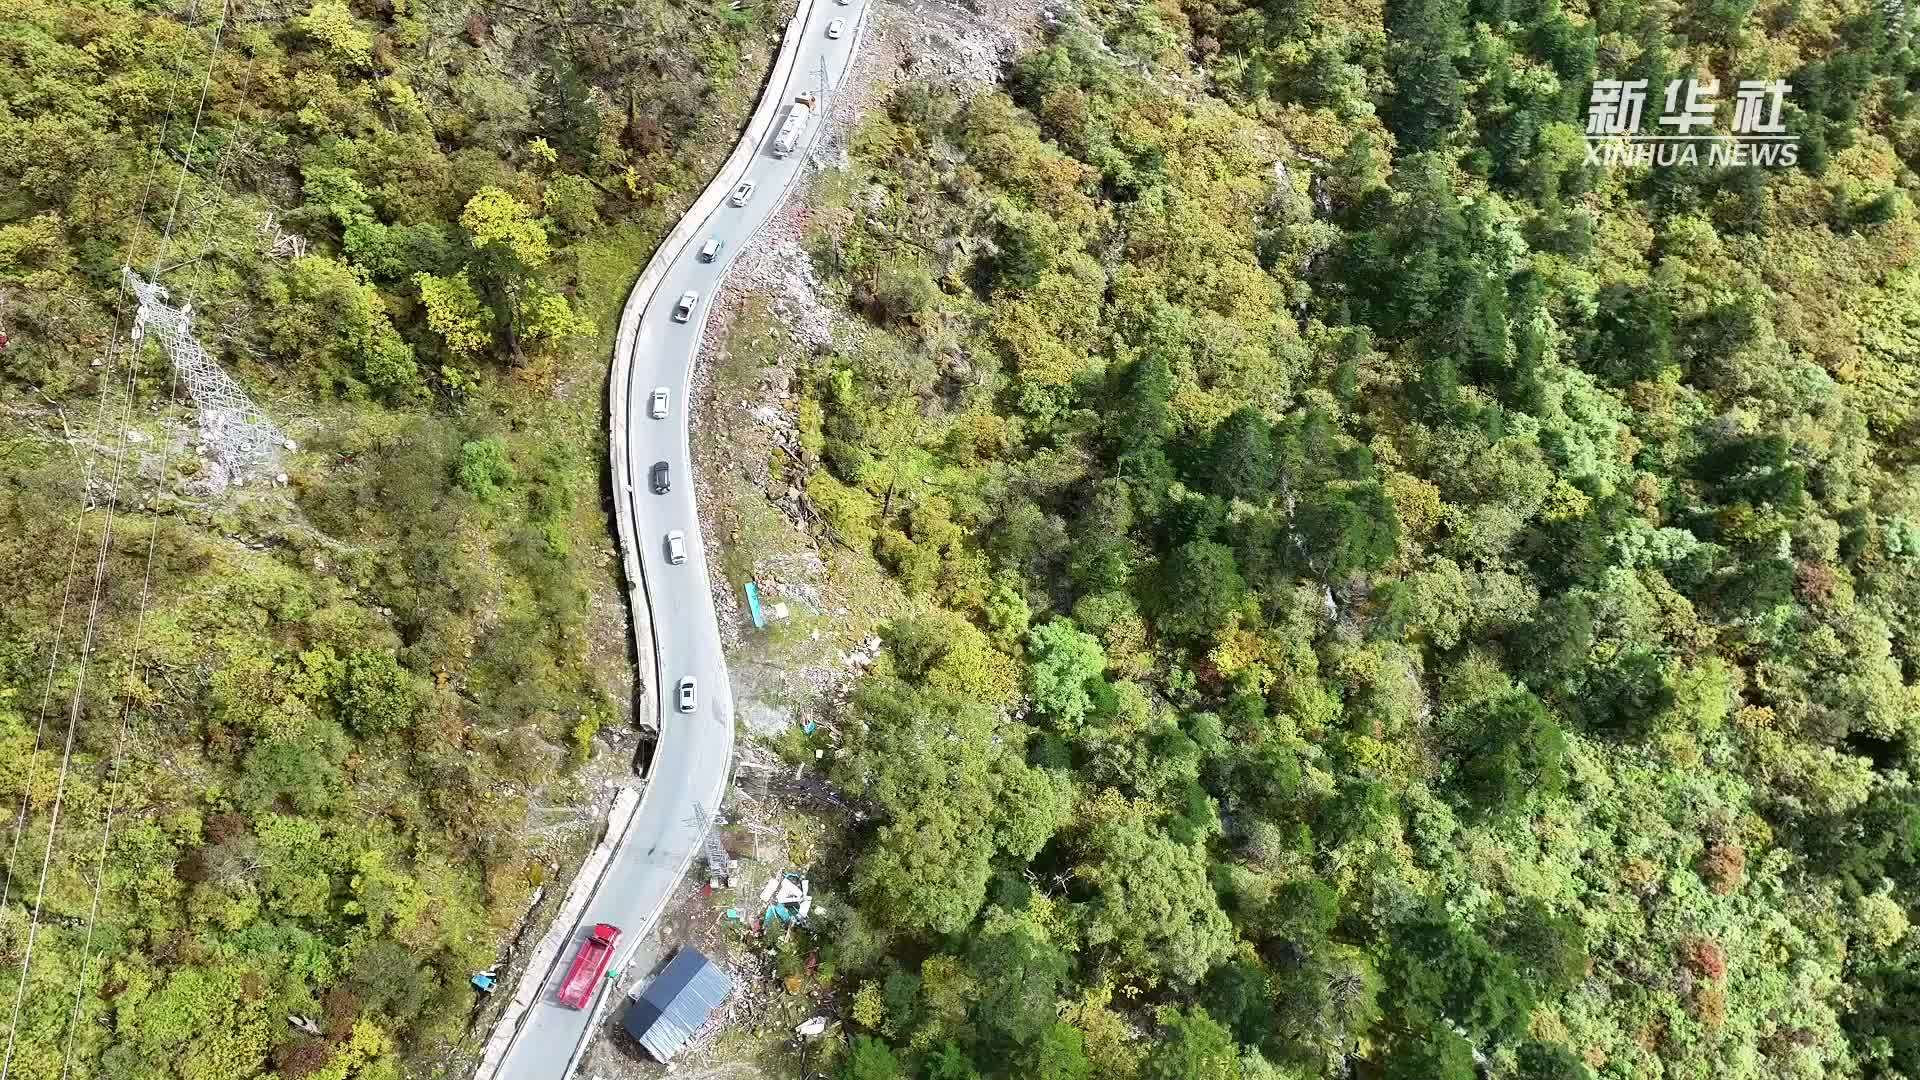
[482, 469]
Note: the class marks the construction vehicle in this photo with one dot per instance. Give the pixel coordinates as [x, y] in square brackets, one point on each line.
[589, 964]
[795, 125]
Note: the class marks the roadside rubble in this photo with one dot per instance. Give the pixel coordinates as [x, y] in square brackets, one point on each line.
[774, 826]
[788, 898]
[967, 66]
[779, 267]
[966, 48]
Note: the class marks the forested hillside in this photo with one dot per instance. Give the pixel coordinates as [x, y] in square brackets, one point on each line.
[1399, 600]
[347, 691]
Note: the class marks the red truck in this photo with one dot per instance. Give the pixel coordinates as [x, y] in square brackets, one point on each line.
[588, 965]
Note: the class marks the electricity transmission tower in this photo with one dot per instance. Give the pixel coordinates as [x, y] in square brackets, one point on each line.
[238, 434]
[719, 863]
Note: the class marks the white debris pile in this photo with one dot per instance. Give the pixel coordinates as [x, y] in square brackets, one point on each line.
[796, 578]
[967, 47]
[968, 64]
[778, 266]
[788, 898]
[864, 655]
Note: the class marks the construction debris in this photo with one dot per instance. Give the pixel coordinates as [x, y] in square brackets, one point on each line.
[788, 898]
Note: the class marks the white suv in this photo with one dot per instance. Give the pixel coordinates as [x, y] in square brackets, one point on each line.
[742, 193]
[676, 547]
[683, 310]
[657, 405]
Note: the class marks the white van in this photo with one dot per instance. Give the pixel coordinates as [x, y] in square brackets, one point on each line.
[710, 249]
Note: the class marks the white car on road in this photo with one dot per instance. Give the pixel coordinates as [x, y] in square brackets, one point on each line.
[686, 694]
[676, 547]
[836, 28]
[683, 310]
[742, 193]
[657, 404]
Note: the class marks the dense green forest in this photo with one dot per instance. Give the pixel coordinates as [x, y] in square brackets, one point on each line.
[1399, 601]
[345, 692]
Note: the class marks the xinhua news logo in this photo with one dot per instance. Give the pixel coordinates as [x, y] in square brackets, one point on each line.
[1759, 137]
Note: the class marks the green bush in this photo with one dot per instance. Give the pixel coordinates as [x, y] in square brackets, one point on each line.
[482, 469]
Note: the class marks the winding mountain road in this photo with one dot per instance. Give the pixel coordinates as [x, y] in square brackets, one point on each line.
[654, 350]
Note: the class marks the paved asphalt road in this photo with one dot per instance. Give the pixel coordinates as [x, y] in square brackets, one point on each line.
[692, 763]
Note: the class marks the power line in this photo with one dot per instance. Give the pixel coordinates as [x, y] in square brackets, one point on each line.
[140, 620]
[73, 718]
[53, 664]
[186, 165]
[79, 517]
[113, 774]
[100, 565]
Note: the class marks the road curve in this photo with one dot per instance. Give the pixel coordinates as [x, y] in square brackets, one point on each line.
[654, 350]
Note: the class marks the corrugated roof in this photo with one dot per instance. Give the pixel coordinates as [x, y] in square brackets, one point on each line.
[676, 1003]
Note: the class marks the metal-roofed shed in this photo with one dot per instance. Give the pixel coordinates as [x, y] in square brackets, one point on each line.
[676, 1003]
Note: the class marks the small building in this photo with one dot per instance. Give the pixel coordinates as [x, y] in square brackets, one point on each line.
[676, 1003]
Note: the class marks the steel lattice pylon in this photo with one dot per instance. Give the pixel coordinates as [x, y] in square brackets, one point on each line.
[719, 863]
[236, 432]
